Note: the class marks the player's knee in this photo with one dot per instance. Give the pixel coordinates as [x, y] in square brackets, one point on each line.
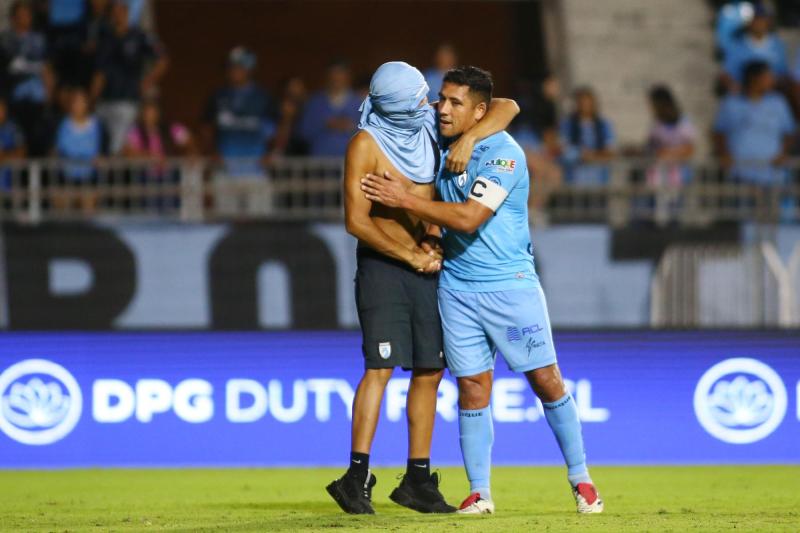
[427, 377]
[474, 392]
[547, 383]
[377, 376]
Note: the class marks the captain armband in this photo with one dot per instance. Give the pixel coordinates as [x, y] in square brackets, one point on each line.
[488, 193]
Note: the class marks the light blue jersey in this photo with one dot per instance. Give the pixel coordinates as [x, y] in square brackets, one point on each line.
[499, 255]
[489, 293]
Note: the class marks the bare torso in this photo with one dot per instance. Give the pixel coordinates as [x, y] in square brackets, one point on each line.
[398, 224]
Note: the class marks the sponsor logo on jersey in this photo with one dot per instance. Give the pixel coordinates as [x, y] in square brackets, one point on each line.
[502, 165]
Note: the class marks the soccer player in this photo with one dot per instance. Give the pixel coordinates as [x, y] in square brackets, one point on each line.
[489, 294]
[396, 282]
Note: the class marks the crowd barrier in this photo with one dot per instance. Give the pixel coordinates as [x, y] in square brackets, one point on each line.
[198, 189]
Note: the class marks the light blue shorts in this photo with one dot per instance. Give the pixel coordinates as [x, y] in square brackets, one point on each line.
[478, 324]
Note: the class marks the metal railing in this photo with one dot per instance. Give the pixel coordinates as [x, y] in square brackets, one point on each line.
[191, 190]
[310, 189]
[726, 286]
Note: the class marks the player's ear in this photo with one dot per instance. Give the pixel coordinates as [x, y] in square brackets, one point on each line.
[480, 110]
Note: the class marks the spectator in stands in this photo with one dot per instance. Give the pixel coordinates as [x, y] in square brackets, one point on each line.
[98, 23]
[26, 78]
[753, 130]
[331, 115]
[240, 118]
[671, 140]
[732, 18]
[122, 77]
[287, 140]
[12, 142]
[539, 140]
[155, 139]
[79, 141]
[12, 145]
[151, 137]
[65, 39]
[588, 141]
[239, 121]
[757, 43]
[444, 59]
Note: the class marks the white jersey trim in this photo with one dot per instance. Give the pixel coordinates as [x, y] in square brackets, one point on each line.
[487, 193]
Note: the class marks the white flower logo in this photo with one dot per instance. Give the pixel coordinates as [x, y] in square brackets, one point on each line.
[40, 402]
[35, 404]
[740, 400]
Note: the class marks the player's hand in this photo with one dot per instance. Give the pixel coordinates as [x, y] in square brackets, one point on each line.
[388, 190]
[424, 263]
[460, 154]
[432, 245]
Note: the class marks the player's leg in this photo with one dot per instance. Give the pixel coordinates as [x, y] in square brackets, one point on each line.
[470, 359]
[384, 316]
[476, 436]
[562, 417]
[353, 491]
[419, 489]
[421, 412]
[366, 412]
[521, 327]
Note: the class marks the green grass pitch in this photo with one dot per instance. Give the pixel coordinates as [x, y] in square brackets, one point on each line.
[740, 498]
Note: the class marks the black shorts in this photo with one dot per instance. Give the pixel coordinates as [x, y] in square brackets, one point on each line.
[399, 314]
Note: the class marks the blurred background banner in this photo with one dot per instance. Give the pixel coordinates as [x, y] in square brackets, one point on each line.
[300, 276]
[270, 399]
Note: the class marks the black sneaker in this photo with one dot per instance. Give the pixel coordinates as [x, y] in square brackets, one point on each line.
[423, 497]
[353, 495]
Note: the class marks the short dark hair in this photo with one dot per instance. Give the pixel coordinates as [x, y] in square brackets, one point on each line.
[752, 71]
[478, 80]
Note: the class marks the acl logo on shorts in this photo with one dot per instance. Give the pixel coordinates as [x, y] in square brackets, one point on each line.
[740, 400]
[40, 402]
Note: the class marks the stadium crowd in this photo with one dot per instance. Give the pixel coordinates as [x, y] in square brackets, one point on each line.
[80, 81]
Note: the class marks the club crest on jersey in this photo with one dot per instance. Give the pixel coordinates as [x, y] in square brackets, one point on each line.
[502, 165]
[462, 179]
[385, 349]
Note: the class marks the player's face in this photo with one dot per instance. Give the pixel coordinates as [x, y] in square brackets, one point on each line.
[458, 109]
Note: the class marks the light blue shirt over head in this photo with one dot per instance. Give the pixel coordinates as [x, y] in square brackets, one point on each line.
[404, 128]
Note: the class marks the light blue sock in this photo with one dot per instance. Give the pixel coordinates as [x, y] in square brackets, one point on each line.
[477, 436]
[562, 415]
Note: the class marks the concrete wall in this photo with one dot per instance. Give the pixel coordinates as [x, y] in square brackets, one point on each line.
[622, 47]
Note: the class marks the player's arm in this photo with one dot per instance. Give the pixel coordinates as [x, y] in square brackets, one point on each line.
[359, 160]
[498, 117]
[485, 197]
